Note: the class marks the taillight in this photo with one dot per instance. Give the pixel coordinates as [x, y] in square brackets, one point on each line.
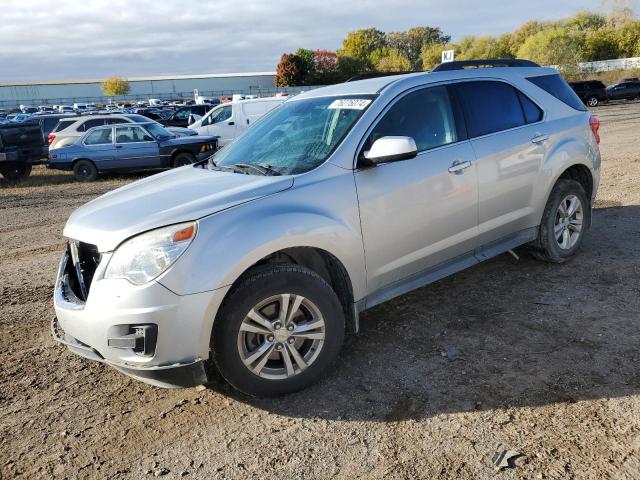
[51, 138]
[594, 123]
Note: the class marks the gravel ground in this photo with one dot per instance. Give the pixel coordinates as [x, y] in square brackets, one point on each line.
[521, 355]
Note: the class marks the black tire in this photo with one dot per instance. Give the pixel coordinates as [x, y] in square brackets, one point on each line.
[15, 172]
[547, 247]
[182, 159]
[593, 102]
[264, 283]
[85, 171]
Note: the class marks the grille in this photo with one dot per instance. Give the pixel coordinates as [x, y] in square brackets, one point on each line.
[84, 262]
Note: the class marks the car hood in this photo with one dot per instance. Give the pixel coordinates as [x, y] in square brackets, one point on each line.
[181, 131]
[187, 140]
[175, 196]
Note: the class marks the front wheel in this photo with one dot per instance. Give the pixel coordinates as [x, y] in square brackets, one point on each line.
[183, 159]
[592, 101]
[278, 331]
[565, 219]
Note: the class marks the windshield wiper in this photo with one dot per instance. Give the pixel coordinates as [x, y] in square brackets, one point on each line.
[265, 170]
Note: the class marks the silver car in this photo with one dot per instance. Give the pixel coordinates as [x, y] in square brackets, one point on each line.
[260, 259]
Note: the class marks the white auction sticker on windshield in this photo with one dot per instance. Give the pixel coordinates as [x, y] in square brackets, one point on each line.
[350, 103]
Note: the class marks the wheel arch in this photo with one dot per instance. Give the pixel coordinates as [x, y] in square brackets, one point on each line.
[179, 151]
[320, 261]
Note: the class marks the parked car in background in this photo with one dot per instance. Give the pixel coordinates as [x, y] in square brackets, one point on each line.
[591, 92]
[72, 132]
[342, 198]
[129, 147]
[229, 120]
[66, 109]
[624, 91]
[20, 146]
[21, 117]
[180, 118]
[46, 109]
[48, 124]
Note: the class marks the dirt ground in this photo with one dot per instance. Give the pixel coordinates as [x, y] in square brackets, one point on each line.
[541, 359]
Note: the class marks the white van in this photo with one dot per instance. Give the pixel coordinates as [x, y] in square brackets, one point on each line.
[229, 120]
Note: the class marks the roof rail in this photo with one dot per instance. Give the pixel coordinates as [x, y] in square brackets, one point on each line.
[365, 76]
[489, 62]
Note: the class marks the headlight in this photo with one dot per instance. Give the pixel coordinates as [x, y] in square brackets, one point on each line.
[144, 257]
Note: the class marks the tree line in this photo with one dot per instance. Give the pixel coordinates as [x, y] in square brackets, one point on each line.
[584, 37]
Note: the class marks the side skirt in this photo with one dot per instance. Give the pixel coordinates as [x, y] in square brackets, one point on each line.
[444, 269]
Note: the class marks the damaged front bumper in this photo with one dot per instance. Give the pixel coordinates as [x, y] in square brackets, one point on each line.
[147, 332]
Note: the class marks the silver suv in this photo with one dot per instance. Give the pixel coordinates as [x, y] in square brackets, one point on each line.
[259, 259]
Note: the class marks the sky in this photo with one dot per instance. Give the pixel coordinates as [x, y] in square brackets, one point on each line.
[89, 39]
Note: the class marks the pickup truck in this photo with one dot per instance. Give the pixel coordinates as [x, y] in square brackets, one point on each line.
[21, 145]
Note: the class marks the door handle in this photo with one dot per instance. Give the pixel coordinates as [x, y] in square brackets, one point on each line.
[118, 146]
[231, 123]
[459, 167]
[539, 138]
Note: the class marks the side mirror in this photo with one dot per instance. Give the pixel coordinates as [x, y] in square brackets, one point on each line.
[391, 149]
[193, 118]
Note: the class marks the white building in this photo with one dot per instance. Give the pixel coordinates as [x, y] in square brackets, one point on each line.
[36, 92]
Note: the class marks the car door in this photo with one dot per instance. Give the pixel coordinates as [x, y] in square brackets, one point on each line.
[98, 147]
[135, 148]
[509, 140]
[222, 122]
[420, 215]
[618, 92]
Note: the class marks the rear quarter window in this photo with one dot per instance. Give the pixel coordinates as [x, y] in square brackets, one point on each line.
[556, 86]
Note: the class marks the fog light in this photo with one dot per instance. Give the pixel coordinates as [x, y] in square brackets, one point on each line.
[141, 339]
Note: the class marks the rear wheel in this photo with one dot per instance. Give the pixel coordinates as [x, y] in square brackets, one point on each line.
[183, 159]
[278, 331]
[85, 171]
[566, 217]
[15, 172]
[592, 101]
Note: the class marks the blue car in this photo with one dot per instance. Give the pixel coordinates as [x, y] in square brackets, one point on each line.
[129, 147]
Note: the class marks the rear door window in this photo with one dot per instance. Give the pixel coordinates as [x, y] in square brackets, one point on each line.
[491, 107]
[89, 124]
[556, 86]
[62, 124]
[101, 136]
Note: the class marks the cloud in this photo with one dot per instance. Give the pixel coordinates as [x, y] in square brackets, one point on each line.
[70, 39]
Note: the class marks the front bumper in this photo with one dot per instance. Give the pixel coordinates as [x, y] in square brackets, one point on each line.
[114, 307]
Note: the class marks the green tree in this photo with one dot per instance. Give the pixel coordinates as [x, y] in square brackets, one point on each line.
[350, 66]
[553, 46]
[394, 61]
[289, 71]
[115, 86]
[431, 55]
[521, 34]
[306, 63]
[601, 44]
[484, 47]
[585, 21]
[362, 43]
[628, 34]
[411, 42]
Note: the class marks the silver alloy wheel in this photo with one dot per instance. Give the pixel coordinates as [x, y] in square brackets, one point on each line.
[568, 225]
[592, 102]
[281, 336]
